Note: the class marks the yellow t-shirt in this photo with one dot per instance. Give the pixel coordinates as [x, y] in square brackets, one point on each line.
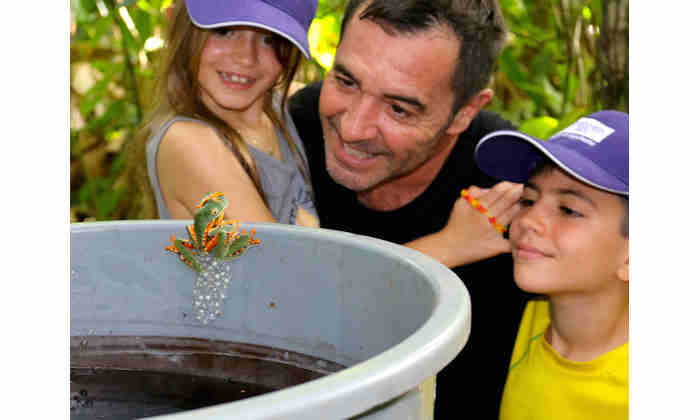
[543, 385]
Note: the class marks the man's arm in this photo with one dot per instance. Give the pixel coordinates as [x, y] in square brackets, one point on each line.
[469, 236]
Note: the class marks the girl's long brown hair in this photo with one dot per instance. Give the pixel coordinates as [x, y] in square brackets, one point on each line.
[177, 93]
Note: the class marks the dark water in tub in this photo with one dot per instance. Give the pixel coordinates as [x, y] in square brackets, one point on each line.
[126, 377]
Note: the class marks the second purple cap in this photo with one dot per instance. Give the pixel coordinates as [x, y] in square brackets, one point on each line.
[594, 150]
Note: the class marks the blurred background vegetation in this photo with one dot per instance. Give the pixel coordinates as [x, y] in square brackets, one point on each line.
[563, 59]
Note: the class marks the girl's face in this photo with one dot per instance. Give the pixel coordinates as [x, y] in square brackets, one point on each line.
[238, 66]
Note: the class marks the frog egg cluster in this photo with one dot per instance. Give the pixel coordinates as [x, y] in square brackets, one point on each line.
[210, 288]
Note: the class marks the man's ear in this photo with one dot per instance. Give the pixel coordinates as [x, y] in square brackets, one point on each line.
[466, 114]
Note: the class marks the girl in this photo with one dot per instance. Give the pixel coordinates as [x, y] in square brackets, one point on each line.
[219, 122]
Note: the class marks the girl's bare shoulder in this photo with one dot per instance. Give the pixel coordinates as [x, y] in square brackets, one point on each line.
[184, 133]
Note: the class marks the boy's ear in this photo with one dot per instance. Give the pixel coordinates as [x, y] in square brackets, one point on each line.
[623, 272]
[466, 114]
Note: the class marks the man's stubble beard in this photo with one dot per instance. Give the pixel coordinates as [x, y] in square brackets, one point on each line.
[355, 182]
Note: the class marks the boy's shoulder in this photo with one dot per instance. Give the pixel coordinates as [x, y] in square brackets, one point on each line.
[536, 317]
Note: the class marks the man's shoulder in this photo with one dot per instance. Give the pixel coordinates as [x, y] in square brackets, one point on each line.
[303, 107]
[461, 166]
[305, 100]
[484, 123]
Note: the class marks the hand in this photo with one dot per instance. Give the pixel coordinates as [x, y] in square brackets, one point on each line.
[469, 235]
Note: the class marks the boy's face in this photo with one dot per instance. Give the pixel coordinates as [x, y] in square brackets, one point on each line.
[566, 239]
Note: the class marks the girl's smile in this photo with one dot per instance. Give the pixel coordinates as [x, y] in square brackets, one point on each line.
[236, 80]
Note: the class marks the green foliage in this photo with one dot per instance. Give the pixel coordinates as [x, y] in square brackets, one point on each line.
[562, 59]
[540, 127]
[112, 72]
[550, 65]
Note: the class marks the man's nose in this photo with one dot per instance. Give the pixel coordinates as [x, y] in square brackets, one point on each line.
[359, 122]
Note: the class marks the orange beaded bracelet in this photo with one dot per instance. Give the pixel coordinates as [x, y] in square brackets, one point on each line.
[474, 202]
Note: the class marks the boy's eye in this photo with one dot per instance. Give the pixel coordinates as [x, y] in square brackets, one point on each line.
[569, 212]
[526, 202]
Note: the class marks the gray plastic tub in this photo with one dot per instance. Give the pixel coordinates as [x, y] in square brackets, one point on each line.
[391, 315]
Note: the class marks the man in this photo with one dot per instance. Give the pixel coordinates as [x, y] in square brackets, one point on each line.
[390, 137]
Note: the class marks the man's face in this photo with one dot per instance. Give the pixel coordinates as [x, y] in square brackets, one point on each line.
[386, 104]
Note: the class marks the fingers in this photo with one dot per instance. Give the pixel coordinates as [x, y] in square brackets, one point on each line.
[507, 216]
[477, 192]
[501, 202]
[501, 198]
[471, 235]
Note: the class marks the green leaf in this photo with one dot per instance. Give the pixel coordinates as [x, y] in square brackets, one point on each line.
[586, 12]
[510, 65]
[514, 9]
[131, 116]
[142, 21]
[111, 116]
[540, 127]
[101, 28]
[108, 199]
[151, 6]
[74, 137]
[572, 116]
[84, 192]
[131, 43]
[87, 6]
[553, 97]
[93, 96]
[125, 3]
[107, 67]
[118, 165]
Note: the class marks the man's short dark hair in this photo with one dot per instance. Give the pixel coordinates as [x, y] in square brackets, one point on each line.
[478, 25]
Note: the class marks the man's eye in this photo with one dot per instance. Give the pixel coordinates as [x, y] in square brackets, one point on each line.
[399, 111]
[526, 202]
[345, 82]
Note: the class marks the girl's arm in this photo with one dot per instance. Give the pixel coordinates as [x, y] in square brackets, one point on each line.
[469, 236]
[192, 161]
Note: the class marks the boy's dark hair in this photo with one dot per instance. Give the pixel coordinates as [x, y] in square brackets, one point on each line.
[546, 165]
[625, 225]
[478, 25]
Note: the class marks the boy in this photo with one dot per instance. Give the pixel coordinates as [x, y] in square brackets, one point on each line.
[570, 245]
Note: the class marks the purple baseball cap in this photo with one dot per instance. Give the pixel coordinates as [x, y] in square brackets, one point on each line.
[288, 18]
[594, 150]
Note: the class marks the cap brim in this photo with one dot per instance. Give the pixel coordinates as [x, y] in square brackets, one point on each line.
[220, 13]
[512, 155]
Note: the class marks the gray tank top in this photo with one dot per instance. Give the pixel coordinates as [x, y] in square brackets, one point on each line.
[284, 186]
